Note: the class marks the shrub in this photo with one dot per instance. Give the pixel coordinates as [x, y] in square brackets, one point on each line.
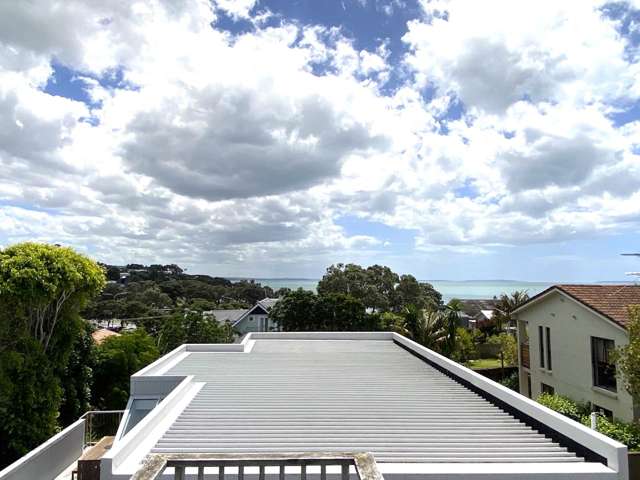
[564, 405]
[627, 433]
[465, 348]
[512, 381]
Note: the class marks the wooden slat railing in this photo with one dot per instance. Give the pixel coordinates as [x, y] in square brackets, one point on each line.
[154, 465]
[524, 355]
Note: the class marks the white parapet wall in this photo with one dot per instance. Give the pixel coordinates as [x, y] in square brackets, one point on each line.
[51, 458]
[615, 453]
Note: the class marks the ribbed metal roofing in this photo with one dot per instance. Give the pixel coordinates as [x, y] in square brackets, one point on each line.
[344, 395]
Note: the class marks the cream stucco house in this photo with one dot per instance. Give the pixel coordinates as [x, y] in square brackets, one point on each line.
[566, 334]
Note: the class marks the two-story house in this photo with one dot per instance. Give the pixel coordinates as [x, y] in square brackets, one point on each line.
[254, 319]
[566, 336]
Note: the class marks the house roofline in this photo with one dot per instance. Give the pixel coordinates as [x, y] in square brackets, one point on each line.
[560, 290]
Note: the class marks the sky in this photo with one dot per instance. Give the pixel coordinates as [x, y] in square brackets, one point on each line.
[451, 139]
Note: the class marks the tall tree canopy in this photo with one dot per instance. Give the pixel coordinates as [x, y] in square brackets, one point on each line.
[42, 342]
[378, 287]
[43, 287]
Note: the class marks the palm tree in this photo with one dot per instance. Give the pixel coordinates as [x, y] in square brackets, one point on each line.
[502, 313]
[452, 311]
[429, 328]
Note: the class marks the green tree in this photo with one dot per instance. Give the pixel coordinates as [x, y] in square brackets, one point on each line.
[42, 290]
[76, 378]
[502, 313]
[452, 312]
[43, 287]
[378, 287]
[349, 279]
[428, 327]
[192, 327]
[380, 290]
[627, 357]
[338, 312]
[29, 398]
[507, 349]
[392, 322]
[117, 358]
[293, 310]
[409, 291]
[465, 346]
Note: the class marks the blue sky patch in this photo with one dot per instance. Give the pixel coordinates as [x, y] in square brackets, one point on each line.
[397, 237]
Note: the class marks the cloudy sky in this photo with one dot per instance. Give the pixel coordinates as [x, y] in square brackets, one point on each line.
[270, 138]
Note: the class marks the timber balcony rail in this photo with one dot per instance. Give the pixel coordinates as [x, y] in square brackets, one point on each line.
[524, 354]
[155, 464]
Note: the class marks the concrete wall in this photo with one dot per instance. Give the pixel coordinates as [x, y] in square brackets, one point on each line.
[572, 326]
[49, 459]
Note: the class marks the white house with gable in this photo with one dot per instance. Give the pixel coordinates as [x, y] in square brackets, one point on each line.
[566, 335]
[254, 319]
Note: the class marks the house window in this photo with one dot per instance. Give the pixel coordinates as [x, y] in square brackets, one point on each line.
[603, 411]
[541, 344]
[547, 389]
[548, 345]
[604, 371]
[529, 385]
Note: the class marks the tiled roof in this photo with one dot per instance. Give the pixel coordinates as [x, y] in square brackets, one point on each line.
[611, 301]
[102, 334]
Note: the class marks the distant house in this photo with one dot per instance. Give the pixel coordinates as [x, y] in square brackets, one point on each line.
[475, 312]
[566, 335]
[102, 334]
[254, 319]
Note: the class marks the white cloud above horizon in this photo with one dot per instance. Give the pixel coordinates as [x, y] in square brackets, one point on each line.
[279, 148]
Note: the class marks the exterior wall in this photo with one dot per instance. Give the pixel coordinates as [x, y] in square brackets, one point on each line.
[252, 323]
[572, 326]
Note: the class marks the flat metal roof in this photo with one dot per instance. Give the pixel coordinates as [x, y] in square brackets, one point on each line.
[336, 395]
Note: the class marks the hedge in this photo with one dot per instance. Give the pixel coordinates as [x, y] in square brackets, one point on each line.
[627, 433]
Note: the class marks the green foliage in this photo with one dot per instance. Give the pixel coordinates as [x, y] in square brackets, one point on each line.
[564, 405]
[117, 358]
[43, 287]
[428, 328]
[378, 288]
[502, 314]
[627, 433]
[76, 378]
[42, 342]
[465, 346]
[29, 399]
[202, 305]
[508, 348]
[338, 312]
[292, 313]
[302, 311]
[392, 322]
[627, 357]
[192, 327]
[512, 382]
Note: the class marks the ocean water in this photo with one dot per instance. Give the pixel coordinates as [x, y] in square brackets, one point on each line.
[449, 289]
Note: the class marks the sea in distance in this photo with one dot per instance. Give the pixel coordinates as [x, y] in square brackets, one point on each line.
[471, 289]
